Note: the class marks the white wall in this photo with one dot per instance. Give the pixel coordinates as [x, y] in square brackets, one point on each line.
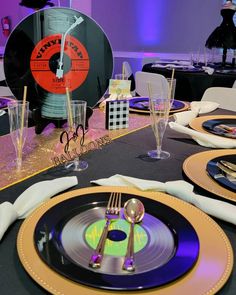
[16, 12]
[85, 6]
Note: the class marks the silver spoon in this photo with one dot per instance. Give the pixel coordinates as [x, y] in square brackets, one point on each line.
[134, 212]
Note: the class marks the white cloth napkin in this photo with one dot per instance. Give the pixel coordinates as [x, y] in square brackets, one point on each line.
[31, 198]
[208, 70]
[204, 139]
[185, 117]
[203, 107]
[171, 65]
[180, 189]
[180, 62]
[197, 107]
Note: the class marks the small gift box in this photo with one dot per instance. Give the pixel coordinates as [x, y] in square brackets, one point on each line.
[117, 114]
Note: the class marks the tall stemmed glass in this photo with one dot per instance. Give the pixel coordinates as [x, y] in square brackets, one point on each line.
[76, 117]
[159, 113]
[18, 120]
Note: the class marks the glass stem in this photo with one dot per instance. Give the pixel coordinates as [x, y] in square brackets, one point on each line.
[76, 163]
[18, 157]
[158, 151]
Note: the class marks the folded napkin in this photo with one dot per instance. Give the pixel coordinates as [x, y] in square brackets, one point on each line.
[181, 62]
[180, 189]
[203, 107]
[197, 107]
[171, 65]
[185, 117]
[205, 139]
[208, 70]
[31, 198]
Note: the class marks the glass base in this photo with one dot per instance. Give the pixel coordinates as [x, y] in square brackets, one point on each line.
[162, 155]
[76, 165]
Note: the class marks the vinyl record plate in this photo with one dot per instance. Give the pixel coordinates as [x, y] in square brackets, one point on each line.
[197, 123]
[141, 105]
[66, 236]
[221, 127]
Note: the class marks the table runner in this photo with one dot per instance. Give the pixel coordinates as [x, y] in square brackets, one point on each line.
[39, 150]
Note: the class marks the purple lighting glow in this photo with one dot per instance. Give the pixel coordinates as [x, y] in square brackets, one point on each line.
[149, 21]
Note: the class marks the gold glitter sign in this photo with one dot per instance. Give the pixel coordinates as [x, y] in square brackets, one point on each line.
[74, 145]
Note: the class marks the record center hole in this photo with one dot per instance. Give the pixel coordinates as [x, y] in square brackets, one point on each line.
[116, 235]
[54, 63]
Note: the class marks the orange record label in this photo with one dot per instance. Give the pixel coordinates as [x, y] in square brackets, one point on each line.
[45, 61]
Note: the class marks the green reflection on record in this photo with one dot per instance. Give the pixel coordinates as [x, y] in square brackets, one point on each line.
[116, 248]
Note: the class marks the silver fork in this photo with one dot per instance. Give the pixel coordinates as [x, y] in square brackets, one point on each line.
[112, 212]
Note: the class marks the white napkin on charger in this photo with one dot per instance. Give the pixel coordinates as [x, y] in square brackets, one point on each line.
[31, 198]
[197, 107]
[204, 139]
[180, 189]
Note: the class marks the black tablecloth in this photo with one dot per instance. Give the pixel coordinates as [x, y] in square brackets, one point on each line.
[4, 124]
[127, 156]
[191, 85]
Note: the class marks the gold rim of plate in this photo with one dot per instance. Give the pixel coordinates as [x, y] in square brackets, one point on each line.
[203, 278]
[195, 168]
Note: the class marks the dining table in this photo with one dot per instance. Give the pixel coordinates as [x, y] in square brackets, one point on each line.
[191, 83]
[124, 154]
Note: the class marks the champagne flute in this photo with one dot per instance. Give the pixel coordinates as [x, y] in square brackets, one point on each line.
[18, 120]
[159, 113]
[76, 117]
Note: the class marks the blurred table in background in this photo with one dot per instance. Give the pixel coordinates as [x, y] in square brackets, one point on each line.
[191, 84]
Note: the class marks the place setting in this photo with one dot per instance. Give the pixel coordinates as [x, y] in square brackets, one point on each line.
[214, 171]
[121, 239]
[220, 168]
[141, 105]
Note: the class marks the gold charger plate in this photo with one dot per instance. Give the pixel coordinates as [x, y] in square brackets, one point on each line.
[140, 111]
[195, 168]
[196, 123]
[203, 278]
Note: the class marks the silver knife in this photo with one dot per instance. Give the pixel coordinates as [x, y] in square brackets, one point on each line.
[229, 165]
[226, 170]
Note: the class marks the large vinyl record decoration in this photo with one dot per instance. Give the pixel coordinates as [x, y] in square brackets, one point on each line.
[56, 48]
